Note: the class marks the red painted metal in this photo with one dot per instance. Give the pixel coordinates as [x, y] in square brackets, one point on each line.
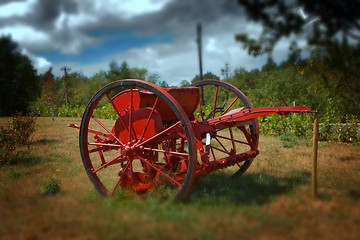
[243, 114]
[188, 99]
[153, 142]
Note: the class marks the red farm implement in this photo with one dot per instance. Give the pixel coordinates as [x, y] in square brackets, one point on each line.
[159, 138]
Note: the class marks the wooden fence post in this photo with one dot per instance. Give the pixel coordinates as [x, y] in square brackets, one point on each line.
[315, 149]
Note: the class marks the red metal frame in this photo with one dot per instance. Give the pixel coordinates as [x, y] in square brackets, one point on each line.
[153, 121]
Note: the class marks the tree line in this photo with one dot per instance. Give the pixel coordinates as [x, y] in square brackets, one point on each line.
[310, 81]
[81, 88]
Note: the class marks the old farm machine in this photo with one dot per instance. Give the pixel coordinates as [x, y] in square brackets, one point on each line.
[157, 138]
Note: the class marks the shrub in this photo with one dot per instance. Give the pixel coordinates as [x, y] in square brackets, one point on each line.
[17, 133]
[332, 125]
[348, 132]
[7, 144]
[23, 127]
[39, 109]
[288, 141]
[50, 186]
[106, 112]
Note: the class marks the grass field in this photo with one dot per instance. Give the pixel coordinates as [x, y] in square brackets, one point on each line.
[272, 200]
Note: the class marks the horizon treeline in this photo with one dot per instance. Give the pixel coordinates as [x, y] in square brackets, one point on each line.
[326, 75]
[310, 81]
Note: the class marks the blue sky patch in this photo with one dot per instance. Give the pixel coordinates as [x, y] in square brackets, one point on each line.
[111, 43]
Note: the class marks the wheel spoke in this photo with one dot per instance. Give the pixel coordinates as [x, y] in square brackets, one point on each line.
[106, 129]
[117, 159]
[97, 149]
[216, 94]
[117, 112]
[166, 152]
[201, 112]
[91, 130]
[100, 152]
[118, 182]
[149, 118]
[248, 137]
[232, 103]
[232, 139]
[220, 150]
[164, 174]
[105, 145]
[167, 130]
[132, 133]
[212, 152]
[221, 145]
[219, 136]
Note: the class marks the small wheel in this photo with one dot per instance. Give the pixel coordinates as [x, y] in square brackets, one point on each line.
[220, 98]
[125, 143]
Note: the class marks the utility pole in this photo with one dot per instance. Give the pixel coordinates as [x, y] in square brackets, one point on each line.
[65, 83]
[198, 40]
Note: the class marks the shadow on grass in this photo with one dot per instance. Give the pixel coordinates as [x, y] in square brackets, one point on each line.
[251, 188]
[22, 158]
[26, 160]
[44, 141]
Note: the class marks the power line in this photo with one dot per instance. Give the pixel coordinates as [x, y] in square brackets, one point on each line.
[198, 40]
[65, 83]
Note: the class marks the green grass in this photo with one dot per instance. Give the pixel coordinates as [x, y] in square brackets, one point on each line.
[272, 200]
[288, 140]
[15, 174]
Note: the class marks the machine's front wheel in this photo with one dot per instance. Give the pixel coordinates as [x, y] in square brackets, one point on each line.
[125, 142]
[219, 99]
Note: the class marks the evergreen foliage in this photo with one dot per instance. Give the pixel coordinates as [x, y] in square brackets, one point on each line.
[19, 81]
[321, 22]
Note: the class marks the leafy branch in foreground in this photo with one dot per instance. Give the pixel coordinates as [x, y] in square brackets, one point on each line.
[16, 135]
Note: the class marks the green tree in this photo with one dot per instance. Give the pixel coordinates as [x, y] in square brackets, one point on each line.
[19, 81]
[123, 71]
[246, 81]
[97, 81]
[336, 75]
[117, 72]
[184, 83]
[207, 75]
[78, 89]
[319, 21]
[138, 73]
[48, 90]
[153, 78]
[164, 84]
[226, 72]
[269, 65]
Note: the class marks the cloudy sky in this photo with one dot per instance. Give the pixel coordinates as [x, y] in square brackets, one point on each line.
[159, 35]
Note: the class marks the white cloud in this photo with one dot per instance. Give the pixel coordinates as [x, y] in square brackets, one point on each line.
[77, 21]
[68, 33]
[41, 64]
[24, 34]
[211, 45]
[178, 60]
[61, 21]
[16, 8]
[133, 8]
[127, 9]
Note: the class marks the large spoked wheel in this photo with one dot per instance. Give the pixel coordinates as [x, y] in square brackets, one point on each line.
[126, 142]
[219, 99]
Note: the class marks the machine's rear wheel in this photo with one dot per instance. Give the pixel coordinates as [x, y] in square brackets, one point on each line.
[125, 144]
[220, 98]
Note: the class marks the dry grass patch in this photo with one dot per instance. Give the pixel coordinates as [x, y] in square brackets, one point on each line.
[272, 200]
